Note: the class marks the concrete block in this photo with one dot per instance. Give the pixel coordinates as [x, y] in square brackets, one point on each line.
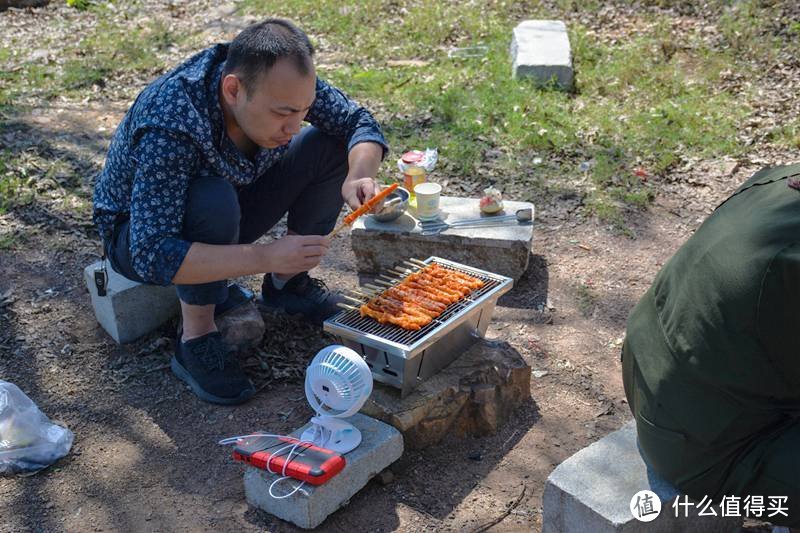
[592, 491]
[130, 309]
[474, 395]
[540, 50]
[503, 249]
[381, 446]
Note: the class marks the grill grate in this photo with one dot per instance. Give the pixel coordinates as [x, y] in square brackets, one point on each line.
[368, 326]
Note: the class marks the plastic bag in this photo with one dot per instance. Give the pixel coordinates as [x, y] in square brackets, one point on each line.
[418, 158]
[28, 440]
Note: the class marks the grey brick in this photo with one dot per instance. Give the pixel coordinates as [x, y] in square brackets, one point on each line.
[381, 446]
[540, 50]
[129, 309]
[592, 490]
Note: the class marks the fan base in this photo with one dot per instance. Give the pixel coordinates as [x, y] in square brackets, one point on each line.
[332, 434]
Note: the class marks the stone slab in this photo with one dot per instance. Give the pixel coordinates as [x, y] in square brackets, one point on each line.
[474, 395]
[130, 309]
[592, 490]
[503, 250]
[540, 50]
[381, 446]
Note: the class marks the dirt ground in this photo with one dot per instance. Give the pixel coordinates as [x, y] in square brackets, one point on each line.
[145, 456]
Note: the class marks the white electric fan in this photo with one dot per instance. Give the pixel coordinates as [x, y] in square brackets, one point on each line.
[338, 382]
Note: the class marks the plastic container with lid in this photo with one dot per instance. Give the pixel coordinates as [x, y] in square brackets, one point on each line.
[415, 166]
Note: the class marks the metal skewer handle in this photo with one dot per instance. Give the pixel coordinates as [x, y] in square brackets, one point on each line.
[437, 226]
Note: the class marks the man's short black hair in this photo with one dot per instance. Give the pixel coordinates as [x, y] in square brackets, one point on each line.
[256, 49]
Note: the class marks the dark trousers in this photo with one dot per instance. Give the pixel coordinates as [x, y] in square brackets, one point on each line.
[306, 183]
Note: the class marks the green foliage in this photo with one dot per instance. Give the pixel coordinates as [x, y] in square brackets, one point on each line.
[639, 102]
[587, 298]
[8, 240]
[79, 4]
[646, 101]
[15, 184]
[108, 49]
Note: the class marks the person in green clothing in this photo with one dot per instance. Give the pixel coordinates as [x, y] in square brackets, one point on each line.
[711, 359]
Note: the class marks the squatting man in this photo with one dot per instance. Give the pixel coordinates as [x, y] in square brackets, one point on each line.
[209, 157]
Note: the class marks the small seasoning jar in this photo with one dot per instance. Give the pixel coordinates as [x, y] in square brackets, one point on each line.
[413, 172]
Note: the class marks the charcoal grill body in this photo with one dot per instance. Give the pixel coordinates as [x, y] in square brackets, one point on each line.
[402, 358]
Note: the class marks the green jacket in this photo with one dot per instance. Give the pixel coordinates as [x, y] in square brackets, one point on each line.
[711, 359]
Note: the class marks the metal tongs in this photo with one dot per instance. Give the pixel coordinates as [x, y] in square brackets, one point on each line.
[434, 227]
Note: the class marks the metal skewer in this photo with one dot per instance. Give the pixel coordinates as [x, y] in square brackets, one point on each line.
[337, 229]
[363, 293]
[414, 266]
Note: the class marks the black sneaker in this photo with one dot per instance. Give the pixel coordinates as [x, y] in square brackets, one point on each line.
[237, 297]
[211, 371]
[302, 295]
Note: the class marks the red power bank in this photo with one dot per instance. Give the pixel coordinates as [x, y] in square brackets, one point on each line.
[307, 463]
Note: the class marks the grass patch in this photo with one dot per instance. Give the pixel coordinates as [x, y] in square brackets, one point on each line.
[644, 103]
[788, 135]
[108, 49]
[752, 29]
[16, 186]
[9, 240]
[587, 298]
[641, 103]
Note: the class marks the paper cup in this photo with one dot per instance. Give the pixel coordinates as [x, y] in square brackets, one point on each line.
[428, 200]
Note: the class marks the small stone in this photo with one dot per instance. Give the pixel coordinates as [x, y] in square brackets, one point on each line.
[475, 456]
[36, 55]
[242, 328]
[386, 477]
[539, 373]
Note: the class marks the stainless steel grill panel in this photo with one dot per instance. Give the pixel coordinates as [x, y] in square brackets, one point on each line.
[404, 358]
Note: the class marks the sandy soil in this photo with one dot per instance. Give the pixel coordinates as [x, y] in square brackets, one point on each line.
[145, 457]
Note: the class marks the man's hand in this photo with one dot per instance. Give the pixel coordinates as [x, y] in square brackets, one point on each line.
[363, 162]
[296, 253]
[357, 191]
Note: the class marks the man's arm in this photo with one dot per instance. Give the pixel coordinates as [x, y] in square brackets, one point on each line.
[165, 161]
[337, 115]
[213, 262]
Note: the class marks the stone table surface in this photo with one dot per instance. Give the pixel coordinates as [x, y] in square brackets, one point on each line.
[501, 249]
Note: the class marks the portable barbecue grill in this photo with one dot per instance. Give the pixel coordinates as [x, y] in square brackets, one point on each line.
[403, 358]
